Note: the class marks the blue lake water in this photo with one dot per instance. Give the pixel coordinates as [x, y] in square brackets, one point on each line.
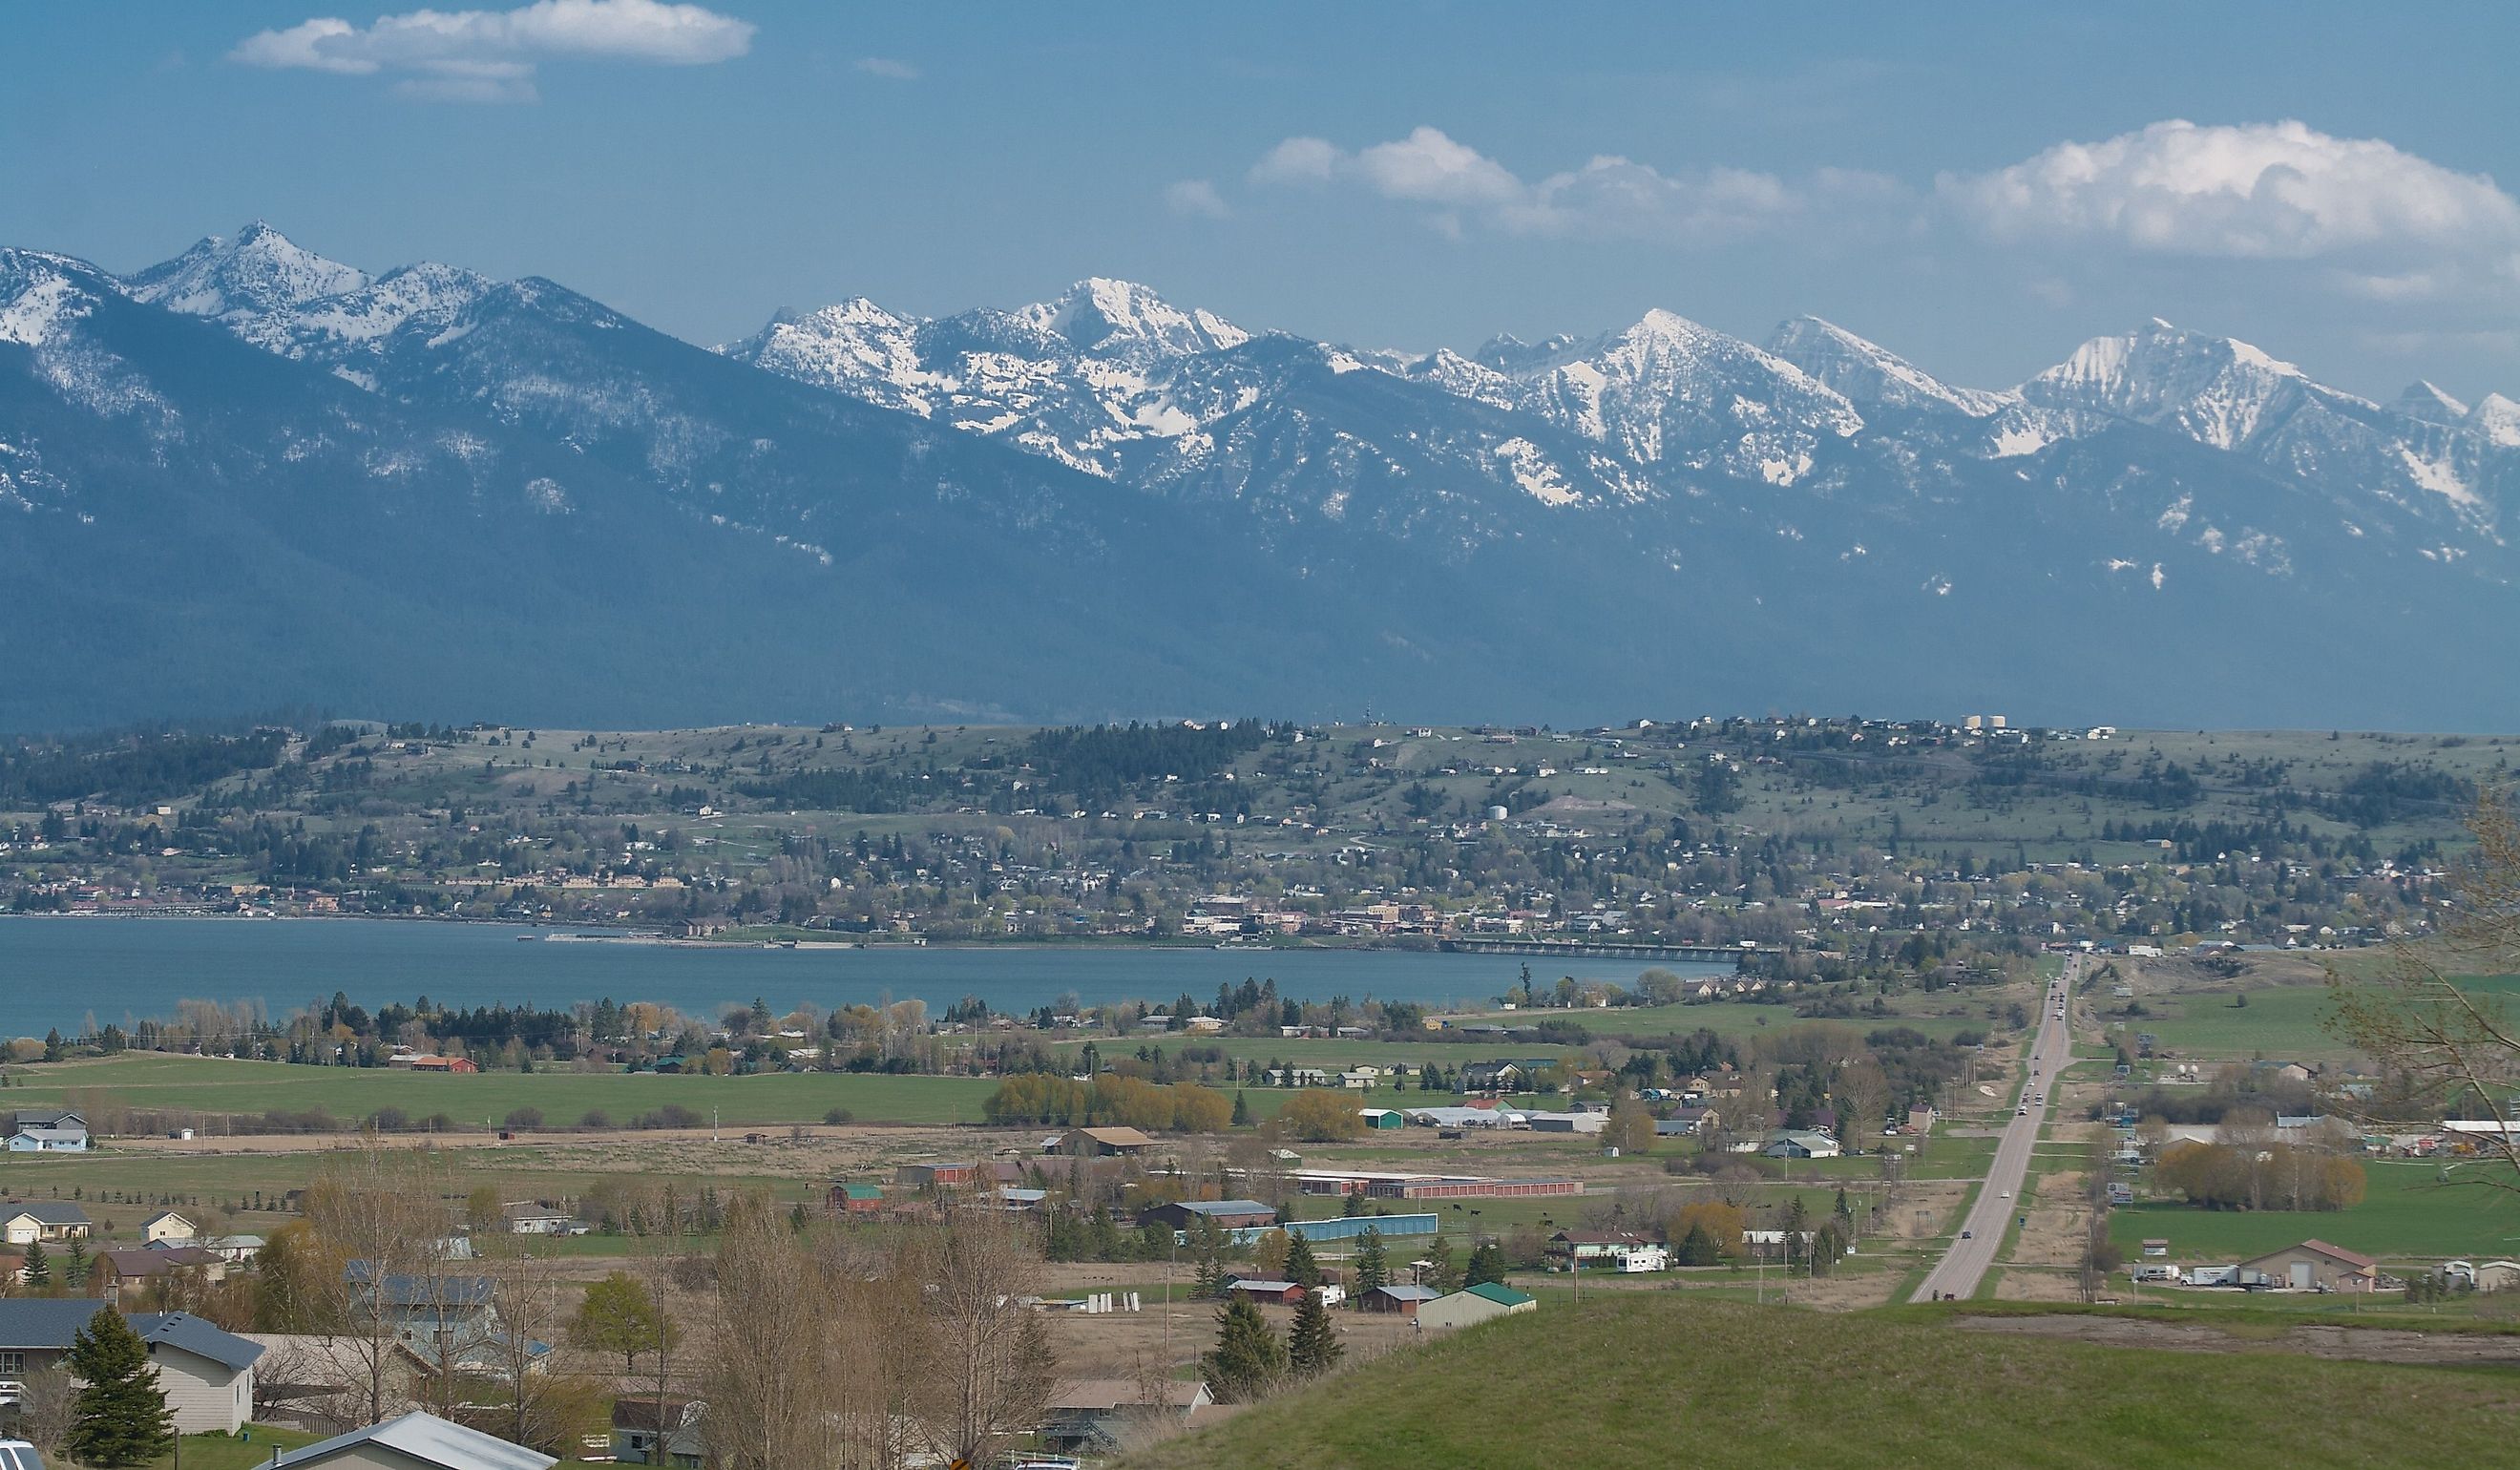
[63, 971]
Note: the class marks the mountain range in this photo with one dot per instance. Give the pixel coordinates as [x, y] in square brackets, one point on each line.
[250, 478]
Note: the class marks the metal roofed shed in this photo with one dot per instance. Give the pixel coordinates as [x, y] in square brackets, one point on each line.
[417, 1440]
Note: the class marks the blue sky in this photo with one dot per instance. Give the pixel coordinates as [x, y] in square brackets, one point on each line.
[1977, 187]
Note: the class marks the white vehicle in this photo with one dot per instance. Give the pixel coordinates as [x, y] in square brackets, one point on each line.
[2006, 1195]
[18, 1454]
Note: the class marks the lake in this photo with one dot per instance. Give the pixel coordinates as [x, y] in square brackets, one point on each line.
[59, 972]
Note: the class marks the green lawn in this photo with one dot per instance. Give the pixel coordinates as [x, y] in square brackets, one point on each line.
[1630, 1377]
[218, 1451]
[2406, 1216]
[176, 1084]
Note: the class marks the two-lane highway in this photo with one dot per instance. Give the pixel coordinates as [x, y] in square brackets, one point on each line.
[1965, 1263]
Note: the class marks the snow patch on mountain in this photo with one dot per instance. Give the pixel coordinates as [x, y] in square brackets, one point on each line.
[2497, 419]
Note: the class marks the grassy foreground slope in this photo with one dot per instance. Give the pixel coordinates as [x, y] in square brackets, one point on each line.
[1641, 1379]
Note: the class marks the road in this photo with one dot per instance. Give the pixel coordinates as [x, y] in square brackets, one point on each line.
[1998, 1199]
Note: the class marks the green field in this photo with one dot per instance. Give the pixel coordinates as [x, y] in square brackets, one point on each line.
[2282, 1023]
[2406, 1216]
[1630, 1377]
[175, 1084]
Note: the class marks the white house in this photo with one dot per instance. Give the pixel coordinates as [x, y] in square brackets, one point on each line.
[39, 1130]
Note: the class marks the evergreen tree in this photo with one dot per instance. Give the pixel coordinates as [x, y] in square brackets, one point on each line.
[1301, 1268]
[38, 1269]
[74, 1267]
[1312, 1343]
[1845, 1214]
[1241, 1109]
[1373, 1264]
[1441, 1272]
[1249, 1357]
[1697, 1248]
[1797, 1220]
[120, 1415]
[1352, 1207]
[1487, 1264]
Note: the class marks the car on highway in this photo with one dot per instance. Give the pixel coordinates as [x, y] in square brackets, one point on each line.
[1966, 1234]
[2021, 1112]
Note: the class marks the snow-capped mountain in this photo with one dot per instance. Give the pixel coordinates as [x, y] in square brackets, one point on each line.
[855, 509]
[1872, 374]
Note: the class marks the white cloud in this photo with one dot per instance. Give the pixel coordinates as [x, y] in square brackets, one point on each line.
[1607, 196]
[1196, 198]
[490, 55]
[889, 69]
[2393, 226]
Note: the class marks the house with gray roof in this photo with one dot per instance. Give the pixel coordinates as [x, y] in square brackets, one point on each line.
[38, 1131]
[206, 1374]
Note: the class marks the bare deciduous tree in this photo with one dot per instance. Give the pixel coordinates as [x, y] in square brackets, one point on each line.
[991, 1370]
[2460, 1044]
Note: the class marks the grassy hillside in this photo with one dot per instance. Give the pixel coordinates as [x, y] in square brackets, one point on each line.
[1637, 1380]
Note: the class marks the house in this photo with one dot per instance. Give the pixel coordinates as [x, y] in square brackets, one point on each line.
[127, 1270]
[207, 1374]
[530, 1219]
[25, 1222]
[1616, 1250]
[167, 1226]
[38, 1131]
[444, 1318]
[447, 1064]
[2313, 1265]
[415, 1441]
[1397, 1301]
[1096, 1142]
[1299, 1077]
[1381, 1117]
[1224, 1213]
[2156, 1245]
[1096, 1415]
[846, 1198]
[236, 1250]
[1800, 1144]
[1361, 1079]
[659, 1429]
[937, 1175]
[1920, 1119]
[1472, 1304]
[322, 1383]
[1276, 1293]
[1688, 1123]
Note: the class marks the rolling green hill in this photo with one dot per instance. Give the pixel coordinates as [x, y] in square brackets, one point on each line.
[1653, 1380]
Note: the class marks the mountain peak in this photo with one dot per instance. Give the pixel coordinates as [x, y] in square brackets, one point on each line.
[2426, 400]
[1867, 372]
[259, 271]
[1100, 313]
